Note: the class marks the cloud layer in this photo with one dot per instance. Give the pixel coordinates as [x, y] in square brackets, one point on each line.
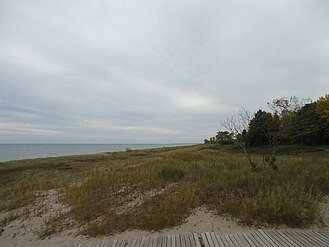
[152, 71]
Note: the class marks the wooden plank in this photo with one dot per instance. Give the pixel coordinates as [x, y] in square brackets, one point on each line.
[177, 241]
[164, 241]
[264, 238]
[210, 241]
[228, 241]
[186, 240]
[285, 238]
[302, 241]
[321, 238]
[241, 242]
[142, 243]
[119, 243]
[249, 240]
[225, 242]
[214, 239]
[168, 243]
[101, 244]
[220, 241]
[313, 236]
[173, 241]
[147, 240]
[234, 242]
[112, 243]
[277, 239]
[305, 238]
[260, 241]
[204, 239]
[325, 235]
[95, 244]
[90, 244]
[132, 242]
[161, 240]
[150, 241]
[138, 242]
[197, 240]
[292, 238]
[105, 243]
[191, 238]
[182, 241]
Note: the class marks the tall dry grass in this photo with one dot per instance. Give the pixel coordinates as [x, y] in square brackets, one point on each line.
[157, 188]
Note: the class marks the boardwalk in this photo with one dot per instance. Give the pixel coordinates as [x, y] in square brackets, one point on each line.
[271, 238]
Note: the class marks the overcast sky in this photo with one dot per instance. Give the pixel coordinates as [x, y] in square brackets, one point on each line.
[152, 71]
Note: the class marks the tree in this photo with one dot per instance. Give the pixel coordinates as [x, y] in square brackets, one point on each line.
[224, 137]
[310, 127]
[263, 129]
[284, 110]
[238, 126]
[322, 107]
[284, 105]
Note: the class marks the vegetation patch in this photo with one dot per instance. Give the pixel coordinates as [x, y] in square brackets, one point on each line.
[158, 188]
[171, 173]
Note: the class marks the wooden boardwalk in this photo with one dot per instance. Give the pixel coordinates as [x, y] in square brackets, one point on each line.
[258, 238]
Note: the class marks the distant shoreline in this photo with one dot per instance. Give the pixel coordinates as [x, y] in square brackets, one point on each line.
[14, 152]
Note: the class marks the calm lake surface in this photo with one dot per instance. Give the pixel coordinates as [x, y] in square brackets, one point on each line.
[28, 151]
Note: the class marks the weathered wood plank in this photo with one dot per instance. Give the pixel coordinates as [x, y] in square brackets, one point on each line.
[197, 240]
[220, 241]
[138, 242]
[241, 242]
[277, 239]
[301, 238]
[226, 243]
[325, 235]
[214, 239]
[232, 241]
[249, 240]
[164, 241]
[286, 238]
[204, 240]
[307, 239]
[191, 238]
[292, 239]
[266, 240]
[319, 237]
[177, 241]
[181, 240]
[210, 241]
[259, 238]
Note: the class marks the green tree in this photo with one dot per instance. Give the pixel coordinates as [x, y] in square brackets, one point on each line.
[263, 129]
[310, 127]
[322, 108]
[224, 137]
[284, 110]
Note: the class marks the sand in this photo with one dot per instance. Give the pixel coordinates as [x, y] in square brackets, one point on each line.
[23, 232]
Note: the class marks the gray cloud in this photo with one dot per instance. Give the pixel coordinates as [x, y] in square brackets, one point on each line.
[152, 71]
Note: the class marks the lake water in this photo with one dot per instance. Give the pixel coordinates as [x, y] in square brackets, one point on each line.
[28, 151]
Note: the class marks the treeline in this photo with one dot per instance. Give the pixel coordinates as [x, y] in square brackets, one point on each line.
[289, 121]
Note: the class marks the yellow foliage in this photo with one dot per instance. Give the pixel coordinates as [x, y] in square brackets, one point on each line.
[322, 107]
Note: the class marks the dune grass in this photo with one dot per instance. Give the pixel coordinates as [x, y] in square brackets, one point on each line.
[157, 188]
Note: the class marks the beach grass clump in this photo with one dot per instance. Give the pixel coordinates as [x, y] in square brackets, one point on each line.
[172, 173]
[157, 188]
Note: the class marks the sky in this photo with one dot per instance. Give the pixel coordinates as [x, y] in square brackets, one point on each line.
[152, 71]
